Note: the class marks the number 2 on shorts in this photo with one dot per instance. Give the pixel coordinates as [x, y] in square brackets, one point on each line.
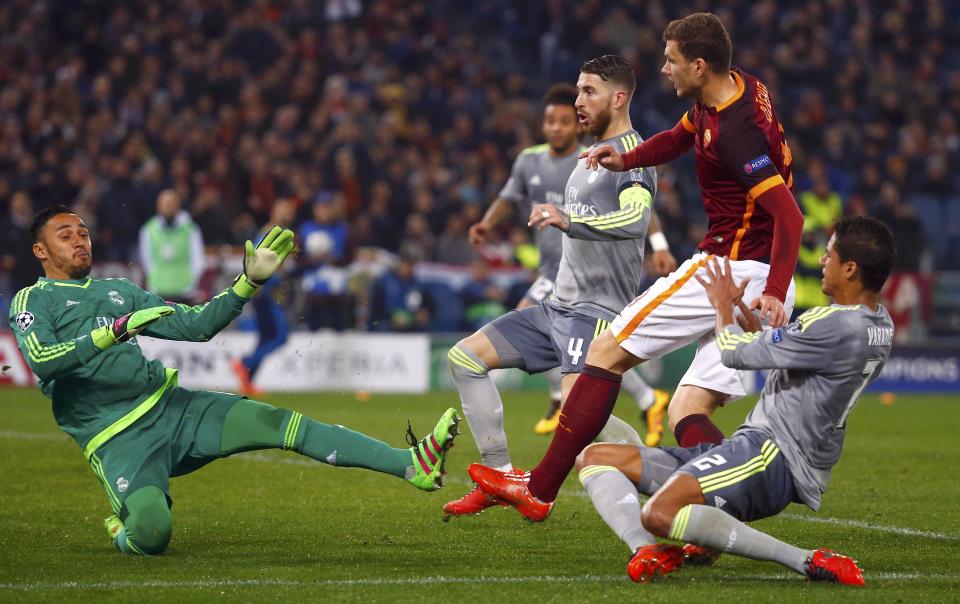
[713, 460]
[575, 350]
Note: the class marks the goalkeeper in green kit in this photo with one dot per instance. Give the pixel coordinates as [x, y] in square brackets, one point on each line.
[136, 427]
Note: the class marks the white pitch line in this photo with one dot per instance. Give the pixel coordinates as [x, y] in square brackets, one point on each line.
[296, 461]
[438, 580]
[51, 436]
[897, 530]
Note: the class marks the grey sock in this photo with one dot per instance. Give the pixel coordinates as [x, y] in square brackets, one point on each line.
[553, 380]
[618, 431]
[710, 527]
[481, 405]
[634, 385]
[617, 501]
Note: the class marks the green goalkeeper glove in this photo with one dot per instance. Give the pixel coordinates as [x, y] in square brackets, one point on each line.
[260, 263]
[128, 326]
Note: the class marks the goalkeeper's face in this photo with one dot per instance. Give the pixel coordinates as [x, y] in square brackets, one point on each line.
[64, 247]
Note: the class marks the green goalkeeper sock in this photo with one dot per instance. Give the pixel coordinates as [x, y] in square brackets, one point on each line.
[251, 425]
[340, 446]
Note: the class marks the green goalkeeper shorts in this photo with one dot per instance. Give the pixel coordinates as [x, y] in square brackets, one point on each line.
[179, 435]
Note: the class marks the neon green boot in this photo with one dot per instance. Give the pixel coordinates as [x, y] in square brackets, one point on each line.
[430, 452]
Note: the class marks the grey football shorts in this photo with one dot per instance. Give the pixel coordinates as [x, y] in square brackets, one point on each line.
[539, 291]
[538, 338]
[745, 476]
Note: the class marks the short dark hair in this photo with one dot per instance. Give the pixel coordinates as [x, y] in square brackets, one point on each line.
[702, 36]
[612, 68]
[560, 94]
[43, 216]
[869, 243]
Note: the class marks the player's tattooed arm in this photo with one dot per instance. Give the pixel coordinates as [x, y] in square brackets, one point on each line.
[543, 215]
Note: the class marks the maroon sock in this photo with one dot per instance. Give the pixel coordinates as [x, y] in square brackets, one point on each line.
[695, 429]
[586, 411]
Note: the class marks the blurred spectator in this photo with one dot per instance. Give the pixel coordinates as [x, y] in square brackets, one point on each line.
[324, 280]
[16, 245]
[397, 301]
[171, 250]
[418, 241]
[453, 246]
[821, 206]
[905, 226]
[809, 275]
[483, 300]
[120, 213]
[524, 249]
[411, 115]
[324, 237]
[208, 214]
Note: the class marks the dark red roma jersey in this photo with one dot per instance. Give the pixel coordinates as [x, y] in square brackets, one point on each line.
[741, 152]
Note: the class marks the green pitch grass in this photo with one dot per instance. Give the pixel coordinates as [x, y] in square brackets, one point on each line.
[277, 526]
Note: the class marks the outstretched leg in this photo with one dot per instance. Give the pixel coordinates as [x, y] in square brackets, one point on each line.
[251, 425]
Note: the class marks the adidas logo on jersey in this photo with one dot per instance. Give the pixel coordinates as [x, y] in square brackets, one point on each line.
[332, 458]
[535, 181]
[719, 501]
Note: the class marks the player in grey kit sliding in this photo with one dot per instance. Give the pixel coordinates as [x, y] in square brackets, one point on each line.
[788, 444]
[603, 221]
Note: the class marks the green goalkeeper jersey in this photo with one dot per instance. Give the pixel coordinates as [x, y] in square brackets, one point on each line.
[98, 394]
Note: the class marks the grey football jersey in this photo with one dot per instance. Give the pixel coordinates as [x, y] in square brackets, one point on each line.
[602, 263]
[820, 365]
[538, 177]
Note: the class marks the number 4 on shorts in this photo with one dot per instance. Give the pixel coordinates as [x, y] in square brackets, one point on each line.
[575, 350]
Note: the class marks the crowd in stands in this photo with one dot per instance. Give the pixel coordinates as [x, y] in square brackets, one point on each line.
[385, 127]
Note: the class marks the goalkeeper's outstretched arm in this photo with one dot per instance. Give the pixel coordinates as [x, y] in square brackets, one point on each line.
[201, 323]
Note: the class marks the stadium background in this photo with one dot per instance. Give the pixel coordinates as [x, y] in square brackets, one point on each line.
[402, 120]
[399, 121]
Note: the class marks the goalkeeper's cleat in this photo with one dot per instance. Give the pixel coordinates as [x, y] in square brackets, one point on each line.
[511, 488]
[430, 452]
[114, 525]
[244, 385]
[653, 417]
[473, 502]
[825, 565]
[652, 561]
[696, 555]
[548, 423]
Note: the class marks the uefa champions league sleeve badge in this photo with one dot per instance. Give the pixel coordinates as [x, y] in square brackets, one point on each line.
[24, 320]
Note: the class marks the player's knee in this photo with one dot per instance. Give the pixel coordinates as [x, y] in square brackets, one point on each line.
[657, 517]
[599, 454]
[149, 522]
[605, 352]
[464, 360]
